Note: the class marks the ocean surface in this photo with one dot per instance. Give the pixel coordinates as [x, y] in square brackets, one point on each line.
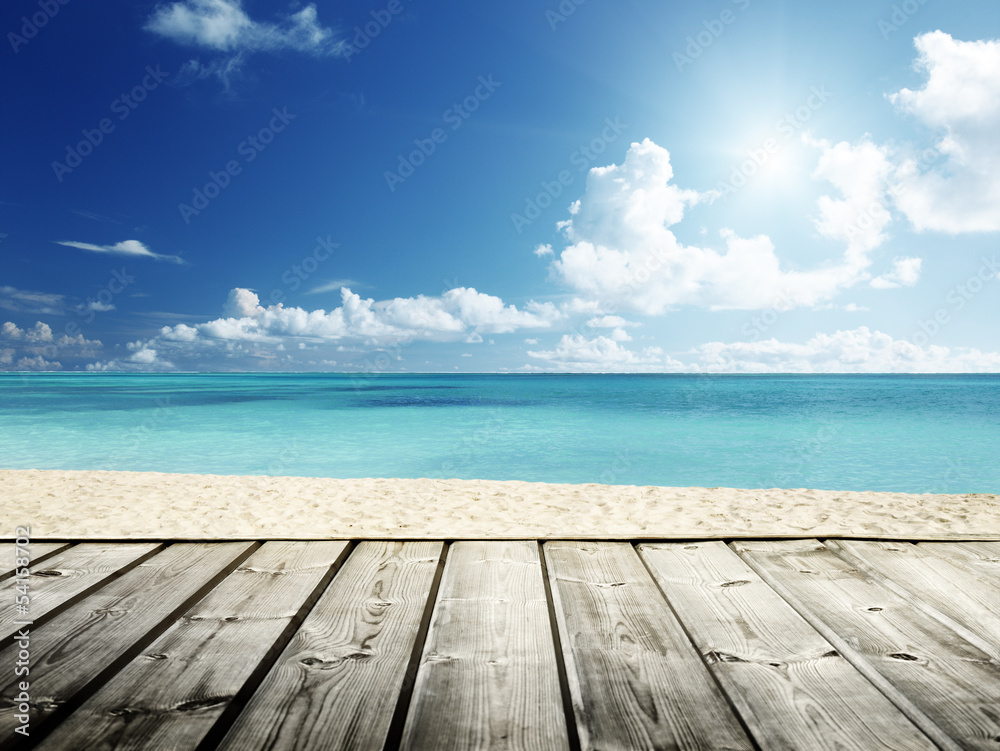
[912, 433]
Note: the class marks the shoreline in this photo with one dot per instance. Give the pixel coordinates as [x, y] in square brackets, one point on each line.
[105, 505]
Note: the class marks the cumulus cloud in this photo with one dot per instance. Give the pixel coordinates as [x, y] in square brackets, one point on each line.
[956, 189]
[250, 330]
[602, 354]
[622, 253]
[34, 347]
[37, 363]
[40, 332]
[223, 26]
[132, 248]
[860, 350]
[860, 172]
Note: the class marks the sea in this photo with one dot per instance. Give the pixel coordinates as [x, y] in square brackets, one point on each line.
[909, 433]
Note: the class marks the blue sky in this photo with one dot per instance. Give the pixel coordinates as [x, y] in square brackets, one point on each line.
[731, 186]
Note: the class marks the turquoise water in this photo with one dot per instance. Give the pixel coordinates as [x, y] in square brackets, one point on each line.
[913, 433]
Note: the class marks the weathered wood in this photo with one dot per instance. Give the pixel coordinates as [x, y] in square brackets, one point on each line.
[791, 687]
[982, 558]
[336, 683]
[78, 649]
[170, 696]
[635, 679]
[949, 687]
[72, 573]
[966, 603]
[488, 676]
[39, 552]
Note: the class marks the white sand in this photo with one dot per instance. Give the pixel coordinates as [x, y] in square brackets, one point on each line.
[108, 505]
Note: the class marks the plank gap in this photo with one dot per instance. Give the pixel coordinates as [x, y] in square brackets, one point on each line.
[853, 656]
[214, 736]
[42, 728]
[394, 736]
[694, 645]
[573, 734]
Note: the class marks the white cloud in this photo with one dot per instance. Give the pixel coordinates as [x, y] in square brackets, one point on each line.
[96, 306]
[38, 363]
[960, 100]
[40, 332]
[860, 172]
[860, 350]
[544, 250]
[36, 346]
[334, 285]
[224, 26]
[905, 273]
[250, 330]
[609, 322]
[241, 303]
[856, 351]
[132, 248]
[602, 354]
[622, 254]
[30, 302]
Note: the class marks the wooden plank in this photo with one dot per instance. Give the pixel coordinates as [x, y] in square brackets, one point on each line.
[171, 695]
[488, 676]
[82, 646]
[947, 686]
[965, 602]
[72, 573]
[982, 558]
[336, 683]
[791, 687]
[39, 551]
[635, 679]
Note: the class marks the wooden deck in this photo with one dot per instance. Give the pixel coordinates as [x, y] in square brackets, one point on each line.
[778, 644]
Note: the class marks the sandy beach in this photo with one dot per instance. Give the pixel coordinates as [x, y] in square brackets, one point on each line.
[147, 505]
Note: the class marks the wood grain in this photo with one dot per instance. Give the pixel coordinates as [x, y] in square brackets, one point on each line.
[488, 677]
[949, 687]
[789, 684]
[71, 573]
[336, 683]
[39, 552]
[635, 680]
[171, 695]
[982, 558]
[76, 649]
[965, 602]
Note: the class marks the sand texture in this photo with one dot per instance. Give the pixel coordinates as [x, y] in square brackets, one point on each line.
[152, 505]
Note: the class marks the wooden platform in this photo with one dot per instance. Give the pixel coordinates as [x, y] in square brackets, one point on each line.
[779, 644]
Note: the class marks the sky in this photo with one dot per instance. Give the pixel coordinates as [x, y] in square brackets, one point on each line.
[743, 186]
